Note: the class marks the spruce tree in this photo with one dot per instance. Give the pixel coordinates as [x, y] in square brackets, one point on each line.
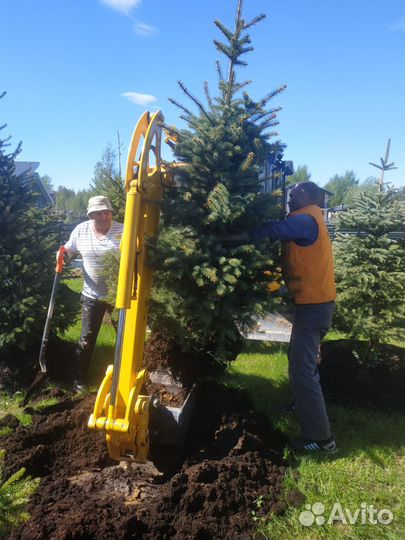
[29, 240]
[204, 286]
[369, 265]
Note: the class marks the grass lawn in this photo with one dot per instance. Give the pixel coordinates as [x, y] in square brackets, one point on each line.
[367, 470]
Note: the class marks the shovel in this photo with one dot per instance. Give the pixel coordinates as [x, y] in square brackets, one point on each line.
[42, 375]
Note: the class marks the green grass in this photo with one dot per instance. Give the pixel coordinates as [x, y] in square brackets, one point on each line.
[104, 352]
[368, 469]
[9, 404]
[76, 284]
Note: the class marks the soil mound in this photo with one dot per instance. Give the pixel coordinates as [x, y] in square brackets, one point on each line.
[231, 458]
[165, 355]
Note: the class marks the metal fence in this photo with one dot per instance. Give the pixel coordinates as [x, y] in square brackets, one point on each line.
[394, 235]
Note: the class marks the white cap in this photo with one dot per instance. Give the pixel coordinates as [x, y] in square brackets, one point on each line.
[98, 204]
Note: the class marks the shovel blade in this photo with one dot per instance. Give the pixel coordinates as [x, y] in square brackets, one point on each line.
[38, 381]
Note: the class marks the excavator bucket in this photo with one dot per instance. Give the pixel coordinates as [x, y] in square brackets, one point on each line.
[144, 422]
[169, 425]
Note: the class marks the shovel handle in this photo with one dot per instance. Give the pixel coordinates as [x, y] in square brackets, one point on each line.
[60, 259]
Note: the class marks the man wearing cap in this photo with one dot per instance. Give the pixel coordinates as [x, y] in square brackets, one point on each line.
[309, 275]
[93, 239]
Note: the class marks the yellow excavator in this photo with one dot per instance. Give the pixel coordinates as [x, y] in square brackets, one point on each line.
[120, 409]
[128, 417]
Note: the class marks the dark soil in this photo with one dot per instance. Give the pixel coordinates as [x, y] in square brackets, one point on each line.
[9, 421]
[162, 354]
[208, 489]
[19, 369]
[377, 383]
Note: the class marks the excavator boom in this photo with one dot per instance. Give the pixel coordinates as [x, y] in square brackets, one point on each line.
[120, 409]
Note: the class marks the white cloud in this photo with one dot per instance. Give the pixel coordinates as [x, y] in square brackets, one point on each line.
[144, 29]
[398, 25]
[124, 6]
[139, 99]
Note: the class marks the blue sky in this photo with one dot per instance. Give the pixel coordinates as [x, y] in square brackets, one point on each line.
[66, 65]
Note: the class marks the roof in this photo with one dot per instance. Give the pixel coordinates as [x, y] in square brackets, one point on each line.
[29, 169]
[22, 167]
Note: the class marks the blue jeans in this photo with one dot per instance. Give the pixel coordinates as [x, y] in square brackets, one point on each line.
[310, 325]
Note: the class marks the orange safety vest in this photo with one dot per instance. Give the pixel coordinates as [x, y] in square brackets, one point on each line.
[309, 273]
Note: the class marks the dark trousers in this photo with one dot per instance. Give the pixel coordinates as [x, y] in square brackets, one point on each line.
[311, 323]
[92, 317]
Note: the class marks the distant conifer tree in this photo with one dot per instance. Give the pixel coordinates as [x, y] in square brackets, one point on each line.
[29, 240]
[108, 181]
[370, 267]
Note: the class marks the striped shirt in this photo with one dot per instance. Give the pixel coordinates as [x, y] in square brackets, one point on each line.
[93, 250]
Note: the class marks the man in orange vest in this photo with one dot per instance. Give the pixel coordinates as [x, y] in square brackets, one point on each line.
[309, 276]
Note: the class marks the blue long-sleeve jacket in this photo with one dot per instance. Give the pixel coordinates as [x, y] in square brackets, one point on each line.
[302, 229]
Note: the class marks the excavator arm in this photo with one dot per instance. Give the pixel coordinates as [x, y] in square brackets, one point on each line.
[120, 409]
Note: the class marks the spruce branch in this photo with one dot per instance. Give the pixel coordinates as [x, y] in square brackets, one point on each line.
[190, 121]
[207, 93]
[6, 141]
[245, 40]
[240, 63]
[245, 50]
[264, 114]
[227, 51]
[248, 162]
[385, 166]
[268, 123]
[269, 119]
[269, 96]
[230, 83]
[272, 134]
[254, 21]
[195, 100]
[227, 33]
[180, 106]
[239, 86]
[233, 56]
[239, 13]
[219, 71]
